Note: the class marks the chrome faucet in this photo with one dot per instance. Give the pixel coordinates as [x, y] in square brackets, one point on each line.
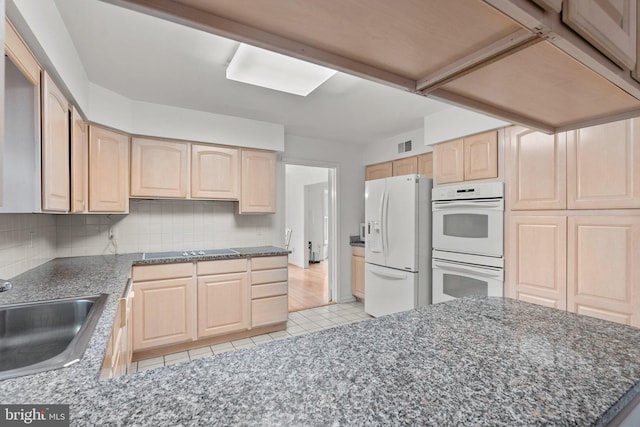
[5, 285]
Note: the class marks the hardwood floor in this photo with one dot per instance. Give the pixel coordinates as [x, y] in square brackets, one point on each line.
[308, 287]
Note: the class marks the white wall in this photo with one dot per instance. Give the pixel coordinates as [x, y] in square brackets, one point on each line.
[40, 23]
[454, 122]
[347, 158]
[296, 178]
[387, 149]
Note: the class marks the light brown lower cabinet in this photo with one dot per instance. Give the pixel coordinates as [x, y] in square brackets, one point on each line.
[603, 276]
[357, 271]
[269, 301]
[586, 264]
[117, 359]
[163, 311]
[223, 299]
[538, 261]
[179, 305]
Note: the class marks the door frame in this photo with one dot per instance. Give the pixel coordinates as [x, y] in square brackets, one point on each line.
[334, 218]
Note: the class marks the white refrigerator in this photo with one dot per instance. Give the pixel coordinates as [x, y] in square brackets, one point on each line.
[398, 244]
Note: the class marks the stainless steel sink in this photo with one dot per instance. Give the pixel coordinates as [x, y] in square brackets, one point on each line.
[46, 335]
[187, 254]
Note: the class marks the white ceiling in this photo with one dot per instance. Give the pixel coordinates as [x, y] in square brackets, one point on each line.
[152, 60]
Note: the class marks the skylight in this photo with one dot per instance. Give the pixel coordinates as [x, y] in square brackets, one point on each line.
[272, 70]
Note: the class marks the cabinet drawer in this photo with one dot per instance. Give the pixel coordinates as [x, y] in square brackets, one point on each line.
[223, 266]
[268, 290]
[266, 311]
[265, 263]
[269, 276]
[162, 271]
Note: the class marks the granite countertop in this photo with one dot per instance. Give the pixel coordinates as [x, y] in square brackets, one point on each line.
[477, 361]
[246, 252]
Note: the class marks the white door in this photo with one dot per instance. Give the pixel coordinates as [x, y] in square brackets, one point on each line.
[374, 196]
[388, 290]
[400, 223]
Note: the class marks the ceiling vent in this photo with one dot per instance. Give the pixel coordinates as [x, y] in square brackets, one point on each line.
[405, 147]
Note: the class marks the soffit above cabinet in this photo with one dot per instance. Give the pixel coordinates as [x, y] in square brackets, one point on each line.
[460, 51]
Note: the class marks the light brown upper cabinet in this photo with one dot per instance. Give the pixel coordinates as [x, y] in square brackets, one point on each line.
[405, 166]
[108, 171]
[537, 170]
[215, 172]
[448, 162]
[603, 166]
[467, 159]
[537, 262]
[378, 171]
[481, 156]
[18, 52]
[258, 194]
[79, 163]
[55, 148]
[159, 168]
[425, 164]
[603, 272]
[609, 25]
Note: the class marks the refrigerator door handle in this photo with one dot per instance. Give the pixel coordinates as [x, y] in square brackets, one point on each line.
[385, 225]
[397, 276]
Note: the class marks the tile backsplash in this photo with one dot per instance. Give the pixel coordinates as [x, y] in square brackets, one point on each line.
[162, 225]
[26, 241]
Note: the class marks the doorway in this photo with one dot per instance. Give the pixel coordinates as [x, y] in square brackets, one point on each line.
[309, 222]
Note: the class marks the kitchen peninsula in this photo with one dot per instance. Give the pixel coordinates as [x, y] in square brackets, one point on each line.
[481, 361]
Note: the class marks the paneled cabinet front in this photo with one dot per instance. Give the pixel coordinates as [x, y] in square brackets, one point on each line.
[108, 171]
[163, 312]
[537, 263]
[215, 172]
[55, 148]
[405, 166]
[378, 171]
[537, 170]
[603, 273]
[159, 168]
[603, 166]
[79, 163]
[357, 272]
[448, 162]
[223, 304]
[258, 194]
[224, 300]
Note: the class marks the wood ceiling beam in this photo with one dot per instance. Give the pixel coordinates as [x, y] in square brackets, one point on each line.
[214, 24]
[485, 56]
[490, 110]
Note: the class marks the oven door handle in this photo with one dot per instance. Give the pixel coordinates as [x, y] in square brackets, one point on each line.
[469, 270]
[396, 276]
[489, 204]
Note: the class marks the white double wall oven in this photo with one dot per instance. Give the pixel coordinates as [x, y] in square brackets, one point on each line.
[468, 236]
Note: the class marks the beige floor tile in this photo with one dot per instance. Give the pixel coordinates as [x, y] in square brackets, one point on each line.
[243, 341]
[200, 355]
[176, 361]
[153, 361]
[222, 346]
[201, 350]
[293, 329]
[148, 367]
[176, 356]
[259, 339]
[224, 350]
[238, 347]
[133, 368]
